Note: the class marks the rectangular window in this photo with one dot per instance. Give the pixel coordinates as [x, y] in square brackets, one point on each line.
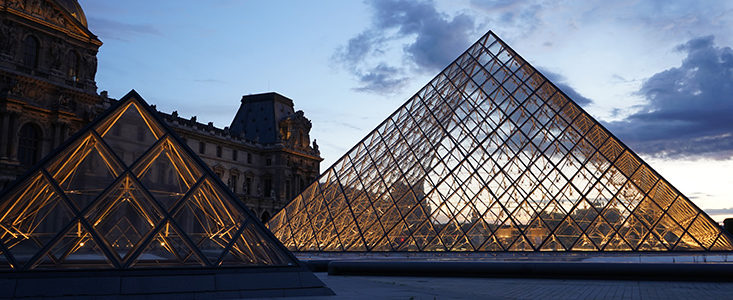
[268, 162]
[268, 187]
[234, 154]
[249, 158]
[233, 183]
[202, 147]
[218, 151]
[248, 186]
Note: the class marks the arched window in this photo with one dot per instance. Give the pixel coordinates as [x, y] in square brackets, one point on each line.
[30, 52]
[29, 144]
[74, 61]
[265, 217]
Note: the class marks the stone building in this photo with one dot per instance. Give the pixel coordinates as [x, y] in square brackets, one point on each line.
[48, 92]
[264, 156]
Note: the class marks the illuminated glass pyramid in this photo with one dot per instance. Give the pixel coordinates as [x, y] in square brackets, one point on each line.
[491, 156]
[124, 194]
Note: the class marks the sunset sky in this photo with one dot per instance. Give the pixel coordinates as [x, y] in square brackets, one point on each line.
[658, 74]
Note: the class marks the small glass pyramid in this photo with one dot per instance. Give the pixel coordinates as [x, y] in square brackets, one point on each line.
[124, 193]
[491, 156]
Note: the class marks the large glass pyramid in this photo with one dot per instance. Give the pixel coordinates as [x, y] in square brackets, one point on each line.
[491, 156]
[125, 194]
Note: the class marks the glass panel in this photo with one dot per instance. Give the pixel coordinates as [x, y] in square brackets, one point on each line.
[254, 248]
[129, 132]
[167, 248]
[33, 218]
[84, 170]
[167, 172]
[75, 250]
[124, 216]
[210, 219]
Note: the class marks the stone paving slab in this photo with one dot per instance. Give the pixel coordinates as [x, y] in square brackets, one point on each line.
[382, 287]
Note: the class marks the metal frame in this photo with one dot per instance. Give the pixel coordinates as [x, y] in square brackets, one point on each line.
[491, 156]
[28, 226]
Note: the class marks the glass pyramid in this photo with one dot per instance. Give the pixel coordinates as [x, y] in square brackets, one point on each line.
[491, 156]
[124, 193]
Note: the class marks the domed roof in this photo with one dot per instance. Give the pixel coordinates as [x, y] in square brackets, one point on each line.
[75, 9]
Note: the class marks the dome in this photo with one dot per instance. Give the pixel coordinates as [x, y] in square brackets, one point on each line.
[75, 9]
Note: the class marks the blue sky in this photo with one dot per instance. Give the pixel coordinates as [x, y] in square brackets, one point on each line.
[659, 74]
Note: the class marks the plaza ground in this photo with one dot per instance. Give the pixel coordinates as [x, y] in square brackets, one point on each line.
[384, 287]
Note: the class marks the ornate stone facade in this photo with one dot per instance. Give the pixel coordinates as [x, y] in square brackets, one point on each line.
[48, 92]
[265, 169]
[47, 89]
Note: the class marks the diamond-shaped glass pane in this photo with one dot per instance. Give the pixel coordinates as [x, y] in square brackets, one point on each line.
[33, 219]
[124, 216]
[129, 132]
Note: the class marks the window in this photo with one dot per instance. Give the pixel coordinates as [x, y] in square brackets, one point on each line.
[29, 144]
[233, 183]
[234, 154]
[218, 151]
[249, 158]
[268, 162]
[74, 61]
[268, 187]
[30, 52]
[202, 147]
[248, 185]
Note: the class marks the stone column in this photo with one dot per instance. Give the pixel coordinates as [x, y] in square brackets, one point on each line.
[4, 134]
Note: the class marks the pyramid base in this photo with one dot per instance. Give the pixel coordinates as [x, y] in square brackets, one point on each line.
[164, 283]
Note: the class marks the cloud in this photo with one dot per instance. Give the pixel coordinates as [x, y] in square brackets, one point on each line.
[115, 30]
[559, 81]
[382, 79]
[689, 108]
[433, 39]
[719, 211]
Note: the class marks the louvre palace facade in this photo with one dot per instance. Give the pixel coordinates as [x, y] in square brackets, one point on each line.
[48, 62]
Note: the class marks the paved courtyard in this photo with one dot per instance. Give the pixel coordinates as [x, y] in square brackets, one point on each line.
[380, 287]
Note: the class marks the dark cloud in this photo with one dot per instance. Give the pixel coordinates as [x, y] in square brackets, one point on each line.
[111, 29]
[382, 79]
[689, 108]
[559, 81]
[435, 40]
